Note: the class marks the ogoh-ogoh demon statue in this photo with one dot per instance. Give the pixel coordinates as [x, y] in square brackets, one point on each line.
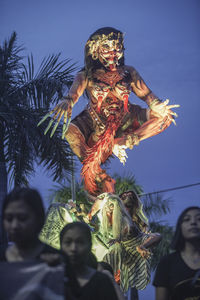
[110, 124]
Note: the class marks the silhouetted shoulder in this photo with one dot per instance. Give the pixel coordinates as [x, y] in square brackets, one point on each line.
[99, 287]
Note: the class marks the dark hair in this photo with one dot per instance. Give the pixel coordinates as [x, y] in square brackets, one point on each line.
[130, 195]
[106, 31]
[29, 196]
[178, 241]
[82, 226]
[92, 65]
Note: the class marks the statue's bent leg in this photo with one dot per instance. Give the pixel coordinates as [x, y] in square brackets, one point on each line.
[140, 124]
[95, 178]
[76, 141]
[152, 127]
[107, 183]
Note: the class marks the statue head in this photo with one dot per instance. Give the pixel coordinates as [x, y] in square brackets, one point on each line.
[104, 48]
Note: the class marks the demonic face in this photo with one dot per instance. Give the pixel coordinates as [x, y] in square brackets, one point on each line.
[109, 53]
[76, 245]
[190, 226]
[109, 207]
[108, 49]
[20, 222]
[100, 92]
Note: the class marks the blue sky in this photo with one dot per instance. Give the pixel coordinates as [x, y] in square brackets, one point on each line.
[162, 43]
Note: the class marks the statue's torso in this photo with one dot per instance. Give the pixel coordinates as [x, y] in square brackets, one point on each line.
[108, 91]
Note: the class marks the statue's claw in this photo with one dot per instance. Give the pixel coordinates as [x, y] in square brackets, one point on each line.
[55, 127]
[174, 121]
[49, 125]
[173, 106]
[44, 118]
[64, 108]
[174, 114]
[65, 128]
[57, 122]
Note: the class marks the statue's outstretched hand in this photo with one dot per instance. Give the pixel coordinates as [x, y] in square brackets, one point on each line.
[64, 108]
[163, 109]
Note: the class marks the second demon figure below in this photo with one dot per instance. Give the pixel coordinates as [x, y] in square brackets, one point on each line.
[110, 123]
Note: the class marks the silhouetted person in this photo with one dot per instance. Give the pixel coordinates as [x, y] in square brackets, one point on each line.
[178, 274]
[24, 274]
[76, 243]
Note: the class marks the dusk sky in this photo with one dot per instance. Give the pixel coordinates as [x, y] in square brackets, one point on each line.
[162, 42]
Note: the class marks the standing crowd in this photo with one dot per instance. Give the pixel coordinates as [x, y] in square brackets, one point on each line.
[32, 270]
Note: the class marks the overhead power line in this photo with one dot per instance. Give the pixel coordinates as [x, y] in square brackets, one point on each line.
[171, 189]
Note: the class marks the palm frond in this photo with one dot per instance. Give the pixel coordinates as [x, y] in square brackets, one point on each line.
[126, 183]
[18, 148]
[54, 153]
[10, 65]
[62, 193]
[155, 205]
[49, 83]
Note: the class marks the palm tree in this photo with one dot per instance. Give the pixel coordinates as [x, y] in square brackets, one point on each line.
[25, 96]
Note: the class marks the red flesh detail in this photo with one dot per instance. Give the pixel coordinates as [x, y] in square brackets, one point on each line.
[100, 99]
[125, 99]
